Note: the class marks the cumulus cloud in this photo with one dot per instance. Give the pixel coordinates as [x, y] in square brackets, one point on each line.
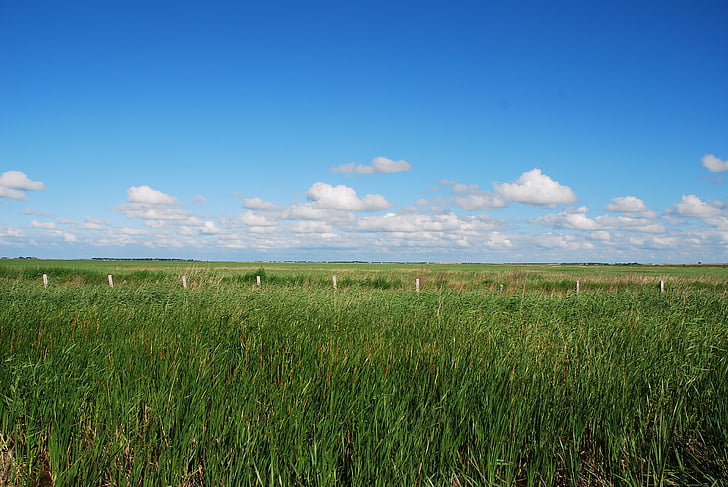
[536, 189]
[626, 204]
[713, 164]
[13, 185]
[259, 204]
[146, 195]
[325, 196]
[692, 206]
[251, 218]
[470, 197]
[379, 165]
[496, 240]
[209, 228]
[572, 220]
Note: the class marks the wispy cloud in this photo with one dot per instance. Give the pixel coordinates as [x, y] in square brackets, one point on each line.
[379, 165]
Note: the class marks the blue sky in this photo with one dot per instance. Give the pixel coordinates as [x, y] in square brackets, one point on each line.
[395, 131]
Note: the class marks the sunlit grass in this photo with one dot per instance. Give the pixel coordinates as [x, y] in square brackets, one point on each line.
[292, 383]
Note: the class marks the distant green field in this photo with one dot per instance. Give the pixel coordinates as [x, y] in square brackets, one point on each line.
[295, 383]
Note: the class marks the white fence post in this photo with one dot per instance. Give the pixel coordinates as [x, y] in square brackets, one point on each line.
[257, 280]
[333, 279]
[184, 282]
[111, 281]
[577, 287]
[662, 286]
[45, 280]
[417, 285]
[500, 289]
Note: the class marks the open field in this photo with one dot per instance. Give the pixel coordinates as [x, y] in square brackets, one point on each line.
[293, 383]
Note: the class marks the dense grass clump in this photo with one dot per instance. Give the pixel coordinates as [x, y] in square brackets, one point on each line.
[235, 384]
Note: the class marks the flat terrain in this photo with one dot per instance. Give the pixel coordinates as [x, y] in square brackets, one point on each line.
[490, 375]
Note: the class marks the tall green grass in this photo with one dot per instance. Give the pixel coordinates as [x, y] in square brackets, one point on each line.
[227, 383]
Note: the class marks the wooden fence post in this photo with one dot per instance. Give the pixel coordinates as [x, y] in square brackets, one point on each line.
[45, 280]
[333, 279]
[111, 281]
[417, 285]
[184, 282]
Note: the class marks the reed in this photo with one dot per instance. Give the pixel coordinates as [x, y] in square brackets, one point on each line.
[291, 384]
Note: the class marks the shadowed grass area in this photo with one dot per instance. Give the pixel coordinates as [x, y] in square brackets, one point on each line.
[292, 383]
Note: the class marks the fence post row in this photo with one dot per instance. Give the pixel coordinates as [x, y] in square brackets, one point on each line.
[333, 281]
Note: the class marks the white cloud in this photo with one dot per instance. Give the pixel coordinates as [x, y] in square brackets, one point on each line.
[30, 211]
[496, 240]
[629, 223]
[470, 197]
[626, 204]
[132, 231]
[13, 185]
[713, 164]
[259, 204]
[146, 195]
[308, 212]
[252, 218]
[379, 165]
[325, 196]
[692, 206]
[721, 222]
[145, 211]
[11, 232]
[209, 228]
[12, 194]
[316, 227]
[600, 235]
[573, 220]
[536, 189]
[392, 222]
[200, 200]
[45, 225]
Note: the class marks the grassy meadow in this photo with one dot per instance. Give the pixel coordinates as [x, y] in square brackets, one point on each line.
[490, 375]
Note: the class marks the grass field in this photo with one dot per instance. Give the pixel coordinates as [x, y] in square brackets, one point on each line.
[293, 383]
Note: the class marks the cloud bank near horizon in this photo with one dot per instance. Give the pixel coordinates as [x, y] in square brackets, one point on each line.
[456, 222]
